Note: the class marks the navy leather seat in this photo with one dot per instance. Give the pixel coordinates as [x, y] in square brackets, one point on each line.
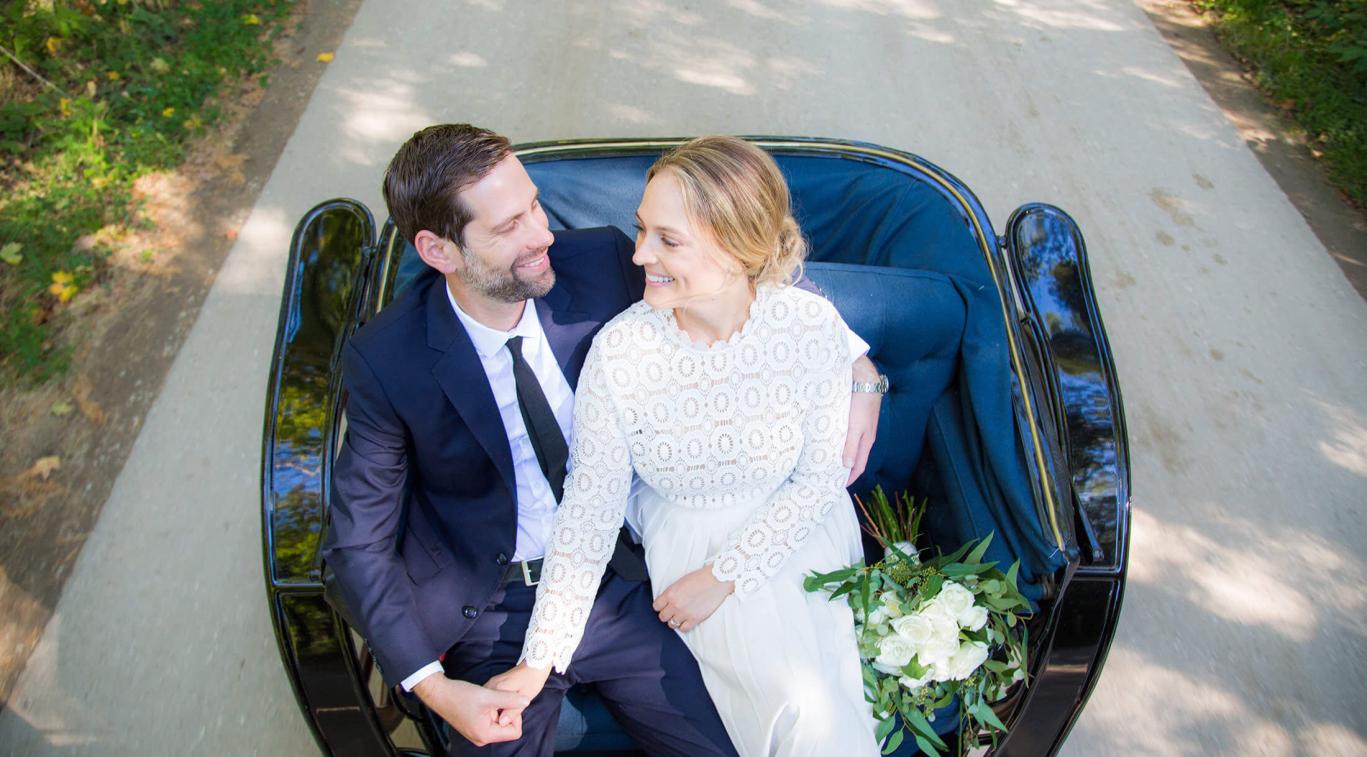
[913, 322]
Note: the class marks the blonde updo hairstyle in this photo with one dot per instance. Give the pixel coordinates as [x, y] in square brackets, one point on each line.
[735, 192]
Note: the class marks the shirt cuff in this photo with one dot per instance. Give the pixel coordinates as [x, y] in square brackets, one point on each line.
[423, 672]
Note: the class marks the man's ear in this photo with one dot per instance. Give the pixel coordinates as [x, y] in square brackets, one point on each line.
[442, 254]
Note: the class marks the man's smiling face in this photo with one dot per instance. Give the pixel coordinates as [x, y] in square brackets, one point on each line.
[504, 245]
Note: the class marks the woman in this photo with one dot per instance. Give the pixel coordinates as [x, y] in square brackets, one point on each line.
[726, 391]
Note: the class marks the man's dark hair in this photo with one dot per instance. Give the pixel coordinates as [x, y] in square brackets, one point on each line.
[423, 182]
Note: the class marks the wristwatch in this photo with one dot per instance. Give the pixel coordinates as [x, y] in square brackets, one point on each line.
[880, 386]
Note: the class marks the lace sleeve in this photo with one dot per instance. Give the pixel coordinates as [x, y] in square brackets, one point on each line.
[817, 483]
[586, 523]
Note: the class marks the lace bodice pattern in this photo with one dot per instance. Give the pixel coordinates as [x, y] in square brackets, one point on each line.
[756, 421]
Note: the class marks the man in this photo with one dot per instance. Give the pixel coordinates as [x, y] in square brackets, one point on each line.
[459, 412]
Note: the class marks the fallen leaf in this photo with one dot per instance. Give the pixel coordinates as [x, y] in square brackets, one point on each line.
[53, 44]
[64, 106]
[112, 75]
[63, 286]
[90, 88]
[169, 112]
[10, 253]
[61, 408]
[325, 57]
[251, 19]
[44, 467]
[230, 160]
[159, 66]
[89, 407]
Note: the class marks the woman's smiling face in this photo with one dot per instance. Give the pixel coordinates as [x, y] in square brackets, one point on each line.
[681, 260]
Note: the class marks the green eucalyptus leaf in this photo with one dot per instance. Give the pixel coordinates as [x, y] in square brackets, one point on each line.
[893, 742]
[884, 727]
[985, 714]
[926, 746]
[977, 554]
[1012, 573]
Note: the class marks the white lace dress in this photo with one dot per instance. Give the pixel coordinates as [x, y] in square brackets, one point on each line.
[739, 446]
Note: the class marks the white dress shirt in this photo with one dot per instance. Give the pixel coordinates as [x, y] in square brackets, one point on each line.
[535, 502]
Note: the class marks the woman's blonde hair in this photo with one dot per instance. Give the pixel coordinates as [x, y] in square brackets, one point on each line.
[735, 191]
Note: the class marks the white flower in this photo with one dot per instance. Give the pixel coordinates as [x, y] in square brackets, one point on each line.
[893, 653]
[955, 598]
[911, 684]
[944, 635]
[973, 618]
[915, 628]
[907, 548]
[970, 656]
[877, 617]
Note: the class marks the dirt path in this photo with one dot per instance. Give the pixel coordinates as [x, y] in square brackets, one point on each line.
[137, 322]
[1341, 228]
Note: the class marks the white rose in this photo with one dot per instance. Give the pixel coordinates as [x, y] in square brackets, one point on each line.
[893, 654]
[955, 598]
[915, 628]
[970, 655]
[877, 617]
[973, 618]
[944, 635]
[907, 548]
[911, 684]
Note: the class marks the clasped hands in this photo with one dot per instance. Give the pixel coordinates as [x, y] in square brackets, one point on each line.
[482, 714]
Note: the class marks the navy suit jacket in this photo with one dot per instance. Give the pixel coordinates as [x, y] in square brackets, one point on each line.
[424, 510]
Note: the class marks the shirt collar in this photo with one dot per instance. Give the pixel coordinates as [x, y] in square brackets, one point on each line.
[488, 341]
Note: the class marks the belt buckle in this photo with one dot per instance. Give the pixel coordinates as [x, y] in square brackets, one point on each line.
[527, 574]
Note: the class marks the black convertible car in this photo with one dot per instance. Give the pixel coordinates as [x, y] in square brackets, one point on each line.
[1005, 411]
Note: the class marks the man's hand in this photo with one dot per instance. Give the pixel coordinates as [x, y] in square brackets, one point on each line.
[692, 599]
[524, 680]
[482, 715]
[864, 409]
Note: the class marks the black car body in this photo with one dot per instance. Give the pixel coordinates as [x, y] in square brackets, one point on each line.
[1057, 493]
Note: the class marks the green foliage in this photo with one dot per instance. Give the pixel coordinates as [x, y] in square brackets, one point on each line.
[1310, 55]
[116, 89]
[889, 599]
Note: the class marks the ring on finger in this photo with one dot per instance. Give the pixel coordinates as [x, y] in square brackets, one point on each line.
[674, 623]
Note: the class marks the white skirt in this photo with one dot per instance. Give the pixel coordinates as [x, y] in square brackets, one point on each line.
[781, 665]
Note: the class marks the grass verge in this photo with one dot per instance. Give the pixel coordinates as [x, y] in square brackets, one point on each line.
[1310, 56]
[93, 95]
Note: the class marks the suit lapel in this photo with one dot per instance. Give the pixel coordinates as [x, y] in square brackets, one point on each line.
[461, 376]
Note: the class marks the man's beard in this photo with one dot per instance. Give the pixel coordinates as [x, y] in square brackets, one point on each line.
[505, 285]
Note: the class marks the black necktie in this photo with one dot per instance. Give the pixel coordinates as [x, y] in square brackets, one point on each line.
[542, 428]
[552, 452]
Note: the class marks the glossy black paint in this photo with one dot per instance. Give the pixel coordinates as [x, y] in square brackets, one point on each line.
[1067, 397]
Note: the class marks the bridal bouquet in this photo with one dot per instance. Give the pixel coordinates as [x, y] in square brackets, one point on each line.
[933, 633]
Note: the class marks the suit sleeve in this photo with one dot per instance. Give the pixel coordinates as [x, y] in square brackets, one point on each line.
[368, 480]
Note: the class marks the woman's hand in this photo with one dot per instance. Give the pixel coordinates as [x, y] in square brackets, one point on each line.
[864, 409]
[524, 680]
[692, 599]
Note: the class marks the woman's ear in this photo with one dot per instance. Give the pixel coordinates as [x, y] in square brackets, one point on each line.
[442, 254]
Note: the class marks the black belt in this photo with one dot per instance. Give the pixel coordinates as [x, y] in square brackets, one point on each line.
[527, 572]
